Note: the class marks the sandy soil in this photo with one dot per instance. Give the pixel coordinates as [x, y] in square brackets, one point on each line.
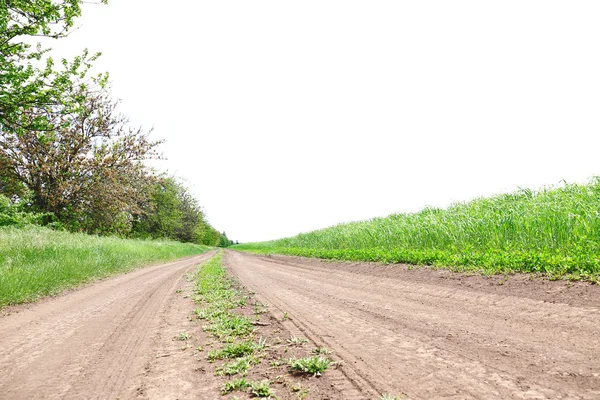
[121, 339]
[109, 340]
[412, 332]
[427, 334]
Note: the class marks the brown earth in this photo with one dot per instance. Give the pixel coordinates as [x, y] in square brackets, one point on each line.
[411, 332]
[429, 334]
[135, 337]
[109, 340]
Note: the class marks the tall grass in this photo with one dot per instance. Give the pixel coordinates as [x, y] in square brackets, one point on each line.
[36, 261]
[554, 230]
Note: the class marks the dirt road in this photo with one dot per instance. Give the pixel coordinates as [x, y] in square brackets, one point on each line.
[415, 333]
[106, 341]
[434, 334]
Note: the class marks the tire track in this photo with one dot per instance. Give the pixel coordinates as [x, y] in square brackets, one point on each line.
[90, 343]
[433, 340]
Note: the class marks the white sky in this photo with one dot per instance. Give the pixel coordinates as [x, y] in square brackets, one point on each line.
[286, 117]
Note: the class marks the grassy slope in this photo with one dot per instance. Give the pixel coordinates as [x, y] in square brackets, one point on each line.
[37, 261]
[555, 231]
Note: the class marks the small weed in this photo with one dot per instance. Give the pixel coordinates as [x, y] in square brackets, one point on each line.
[261, 344]
[275, 363]
[296, 341]
[234, 350]
[321, 351]
[301, 391]
[314, 365]
[388, 397]
[261, 389]
[237, 367]
[201, 313]
[303, 394]
[238, 384]
[184, 336]
[285, 316]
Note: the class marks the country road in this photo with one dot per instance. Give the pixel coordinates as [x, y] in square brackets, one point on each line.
[431, 334]
[98, 342]
[412, 332]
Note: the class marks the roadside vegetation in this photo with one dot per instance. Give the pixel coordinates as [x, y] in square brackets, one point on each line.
[216, 293]
[554, 231]
[37, 261]
[71, 162]
[68, 157]
[246, 350]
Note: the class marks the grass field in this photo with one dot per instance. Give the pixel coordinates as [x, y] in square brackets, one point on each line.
[36, 261]
[555, 231]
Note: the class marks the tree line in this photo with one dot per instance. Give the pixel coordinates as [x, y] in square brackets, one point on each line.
[68, 158]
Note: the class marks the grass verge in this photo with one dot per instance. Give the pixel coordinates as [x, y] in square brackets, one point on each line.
[554, 231]
[248, 351]
[36, 261]
[219, 298]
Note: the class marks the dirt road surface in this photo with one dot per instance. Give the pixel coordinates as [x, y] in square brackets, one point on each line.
[106, 341]
[411, 332]
[426, 334]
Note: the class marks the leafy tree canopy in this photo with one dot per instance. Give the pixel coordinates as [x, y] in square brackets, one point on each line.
[172, 212]
[87, 170]
[26, 81]
[65, 151]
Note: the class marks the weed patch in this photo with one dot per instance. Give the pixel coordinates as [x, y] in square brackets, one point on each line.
[238, 367]
[254, 365]
[240, 384]
[314, 365]
[261, 389]
[228, 326]
[233, 350]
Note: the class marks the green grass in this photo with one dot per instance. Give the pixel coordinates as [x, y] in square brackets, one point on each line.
[36, 261]
[555, 231]
[219, 298]
[229, 326]
[215, 290]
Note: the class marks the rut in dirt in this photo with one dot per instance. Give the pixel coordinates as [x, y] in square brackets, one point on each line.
[433, 334]
[98, 342]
